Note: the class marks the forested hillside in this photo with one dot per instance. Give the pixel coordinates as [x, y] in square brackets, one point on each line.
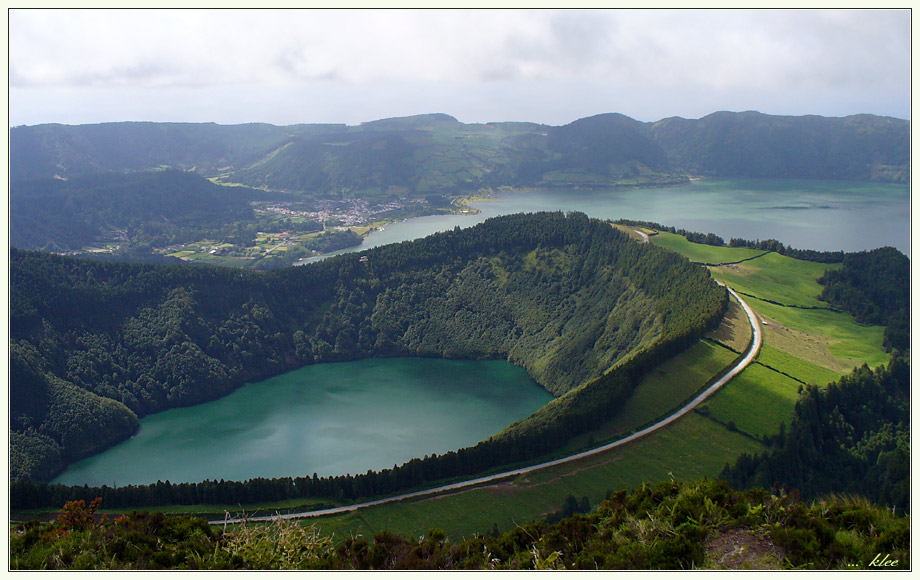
[438, 154]
[751, 144]
[850, 437]
[67, 151]
[94, 345]
[874, 287]
[158, 207]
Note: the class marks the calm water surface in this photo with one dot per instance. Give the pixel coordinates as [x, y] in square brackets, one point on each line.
[328, 419]
[804, 214]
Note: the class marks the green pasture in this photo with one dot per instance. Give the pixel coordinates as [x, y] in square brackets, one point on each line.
[815, 335]
[701, 252]
[666, 387]
[676, 451]
[847, 343]
[778, 278]
[735, 329]
[630, 231]
[755, 402]
[802, 370]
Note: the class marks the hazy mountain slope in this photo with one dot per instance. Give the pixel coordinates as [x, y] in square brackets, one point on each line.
[361, 160]
[67, 215]
[45, 151]
[751, 144]
[438, 154]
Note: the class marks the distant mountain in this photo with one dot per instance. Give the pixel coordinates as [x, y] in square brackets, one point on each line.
[751, 144]
[45, 151]
[56, 214]
[438, 154]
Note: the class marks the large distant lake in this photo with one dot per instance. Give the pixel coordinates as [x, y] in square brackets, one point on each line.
[804, 214]
[329, 419]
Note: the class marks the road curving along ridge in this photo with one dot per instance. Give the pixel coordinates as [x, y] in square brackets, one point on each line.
[717, 383]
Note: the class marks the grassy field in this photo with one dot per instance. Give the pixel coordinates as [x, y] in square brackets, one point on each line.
[778, 278]
[830, 339]
[798, 368]
[631, 232]
[668, 385]
[700, 252]
[814, 335]
[735, 329]
[675, 451]
[755, 402]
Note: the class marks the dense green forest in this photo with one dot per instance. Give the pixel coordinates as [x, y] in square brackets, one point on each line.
[874, 287]
[851, 437]
[153, 207]
[94, 345]
[671, 525]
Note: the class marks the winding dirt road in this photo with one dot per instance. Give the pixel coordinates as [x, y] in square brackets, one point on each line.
[726, 376]
[642, 234]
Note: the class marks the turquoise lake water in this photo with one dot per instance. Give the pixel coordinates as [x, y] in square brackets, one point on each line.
[328, 419]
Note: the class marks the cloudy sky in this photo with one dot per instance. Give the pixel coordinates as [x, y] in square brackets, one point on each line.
[350, 66]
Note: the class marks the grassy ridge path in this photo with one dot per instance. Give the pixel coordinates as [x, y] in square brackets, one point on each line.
[725, 376]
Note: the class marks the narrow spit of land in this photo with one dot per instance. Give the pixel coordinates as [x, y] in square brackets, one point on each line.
[720, 381]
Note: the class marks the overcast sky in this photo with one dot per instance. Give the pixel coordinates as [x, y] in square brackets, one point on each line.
[350, 66]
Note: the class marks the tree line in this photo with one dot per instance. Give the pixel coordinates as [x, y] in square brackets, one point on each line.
[770, 245]
[850, 437]
[874, 287]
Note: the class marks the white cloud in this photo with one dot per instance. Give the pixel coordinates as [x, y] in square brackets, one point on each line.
[611, 54]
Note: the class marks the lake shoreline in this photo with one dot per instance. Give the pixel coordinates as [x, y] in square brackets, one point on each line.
[316, 409]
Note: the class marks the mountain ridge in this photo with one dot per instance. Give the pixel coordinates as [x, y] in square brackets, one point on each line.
[466, 157]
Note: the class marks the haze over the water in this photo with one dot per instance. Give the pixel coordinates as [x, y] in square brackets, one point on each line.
[548, 66]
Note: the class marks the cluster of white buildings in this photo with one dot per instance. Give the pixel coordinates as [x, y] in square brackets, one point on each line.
[349, 212]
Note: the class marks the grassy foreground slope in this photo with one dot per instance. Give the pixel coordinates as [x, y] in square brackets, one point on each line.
[672, 525]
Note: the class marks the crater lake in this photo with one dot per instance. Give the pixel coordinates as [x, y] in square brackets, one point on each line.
[328, 419]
